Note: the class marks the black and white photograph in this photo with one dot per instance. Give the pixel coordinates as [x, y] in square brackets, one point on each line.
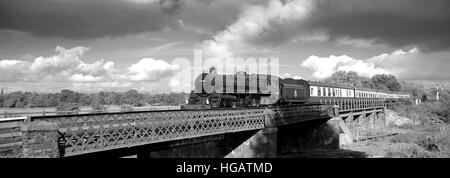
[219, 79]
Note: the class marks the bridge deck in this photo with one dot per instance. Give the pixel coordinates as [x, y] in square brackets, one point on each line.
[89, 133]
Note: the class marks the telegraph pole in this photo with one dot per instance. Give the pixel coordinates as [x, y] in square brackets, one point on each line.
[437, 92]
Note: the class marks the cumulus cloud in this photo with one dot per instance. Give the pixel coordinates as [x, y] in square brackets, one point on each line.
[259, 24]
[234, 24]
[403, 64]
[288, 75]
[396, 23]
[323, 67]
[149, 69]
[67, 66]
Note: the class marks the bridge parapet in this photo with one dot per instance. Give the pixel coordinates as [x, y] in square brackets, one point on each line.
[99, 132]
[294, 114]
[70, 135]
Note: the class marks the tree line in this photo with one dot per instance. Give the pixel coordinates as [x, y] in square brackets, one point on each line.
[384, 82]
[67, 99]
[131, 97]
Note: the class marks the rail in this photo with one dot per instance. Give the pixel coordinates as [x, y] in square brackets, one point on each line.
[43, 112]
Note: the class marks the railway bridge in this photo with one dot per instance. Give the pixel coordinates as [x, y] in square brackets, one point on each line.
[246, 132]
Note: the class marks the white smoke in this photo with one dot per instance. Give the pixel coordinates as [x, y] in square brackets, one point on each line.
[256, 22]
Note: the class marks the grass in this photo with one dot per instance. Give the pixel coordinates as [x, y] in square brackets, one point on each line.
[429, 141]
[411, 151]
[430, 138]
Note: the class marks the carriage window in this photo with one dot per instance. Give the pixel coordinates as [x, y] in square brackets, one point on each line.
[324, 92]
[311, 89]
[334, 92]
[329, 91]
[319, 92]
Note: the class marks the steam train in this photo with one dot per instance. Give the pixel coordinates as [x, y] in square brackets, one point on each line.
[253, 90]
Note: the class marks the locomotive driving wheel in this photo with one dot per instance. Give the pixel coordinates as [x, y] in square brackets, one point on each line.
[215, 99]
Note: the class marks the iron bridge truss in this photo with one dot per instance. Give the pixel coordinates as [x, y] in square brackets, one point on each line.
[88, 133]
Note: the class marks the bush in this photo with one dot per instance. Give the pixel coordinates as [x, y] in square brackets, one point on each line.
[428, 144]
[410, 151]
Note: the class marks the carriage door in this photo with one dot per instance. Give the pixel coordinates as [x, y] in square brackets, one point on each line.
[294, 93]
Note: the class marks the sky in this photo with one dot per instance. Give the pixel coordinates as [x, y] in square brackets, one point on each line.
[148, 45]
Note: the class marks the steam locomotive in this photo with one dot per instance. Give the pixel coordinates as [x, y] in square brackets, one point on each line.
[253, 90]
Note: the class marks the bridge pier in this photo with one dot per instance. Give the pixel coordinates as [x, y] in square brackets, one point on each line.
[40, 140]
[263, 144]
[364, 122]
